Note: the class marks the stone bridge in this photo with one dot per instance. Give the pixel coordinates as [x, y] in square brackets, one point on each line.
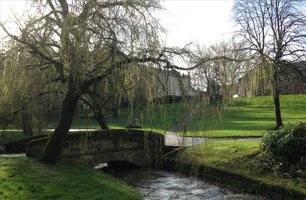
[92, 148]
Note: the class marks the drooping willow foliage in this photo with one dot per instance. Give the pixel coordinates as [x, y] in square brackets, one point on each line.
[90, 53]
[26, 99]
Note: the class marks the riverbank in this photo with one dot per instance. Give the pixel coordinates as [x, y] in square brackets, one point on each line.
[26, 178]
[241, 165]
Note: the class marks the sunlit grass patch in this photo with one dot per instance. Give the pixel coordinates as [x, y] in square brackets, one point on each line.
[25, 178]
[158, 118]
[246, 116]
[241, 117]
[214, 153]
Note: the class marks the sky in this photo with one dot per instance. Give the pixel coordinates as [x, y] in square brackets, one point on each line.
[204, 21]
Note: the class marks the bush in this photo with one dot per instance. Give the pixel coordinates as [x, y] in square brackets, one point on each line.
[288, 143]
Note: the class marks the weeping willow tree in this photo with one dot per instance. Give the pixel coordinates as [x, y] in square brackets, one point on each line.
[25, 99]
[273, 31]
[77, 45]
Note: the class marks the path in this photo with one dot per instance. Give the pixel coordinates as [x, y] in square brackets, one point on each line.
[13, 155]
[172, 138]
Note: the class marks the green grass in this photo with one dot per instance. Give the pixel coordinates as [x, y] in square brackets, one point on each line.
[247, 116]
[243, 117]
[242, 158]
[158, 118]
[26, 178]
[221, 152]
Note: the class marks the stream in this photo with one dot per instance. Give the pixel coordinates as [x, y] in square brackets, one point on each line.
[166, 185]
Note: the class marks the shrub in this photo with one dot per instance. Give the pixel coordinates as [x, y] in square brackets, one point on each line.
[288, 143]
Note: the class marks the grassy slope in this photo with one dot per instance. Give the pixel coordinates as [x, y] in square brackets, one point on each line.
[25, 178]
[237, 157]
[247, 116]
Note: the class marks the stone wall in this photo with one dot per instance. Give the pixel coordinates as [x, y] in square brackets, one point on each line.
[92, 148]
[19, 146]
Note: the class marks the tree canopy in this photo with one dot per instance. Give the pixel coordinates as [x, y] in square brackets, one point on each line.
[72, 46]
[274, 32]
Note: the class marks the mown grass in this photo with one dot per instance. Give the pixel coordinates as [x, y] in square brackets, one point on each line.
[246, 116]
[242, 158]
[242, 117]
[25, 178]
[158, 118]
[221, 152]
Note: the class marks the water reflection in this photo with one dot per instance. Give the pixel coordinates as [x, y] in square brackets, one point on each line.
[160, 185]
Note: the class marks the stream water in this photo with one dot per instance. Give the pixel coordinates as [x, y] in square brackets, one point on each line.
[165, 185]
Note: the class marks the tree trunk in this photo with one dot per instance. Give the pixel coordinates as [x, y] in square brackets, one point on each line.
[140, 108]
[26, 123]
[39, 126]
[100, 119]
[55, 144]
[279, 122]
[115, 113]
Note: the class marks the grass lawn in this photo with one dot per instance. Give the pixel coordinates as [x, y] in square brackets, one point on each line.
[26, 178]
[245, 158]
[247, 116]
[158, 118]
[243, 117]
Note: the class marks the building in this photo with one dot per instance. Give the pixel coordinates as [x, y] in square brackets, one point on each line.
[172, 82]
[292, 80]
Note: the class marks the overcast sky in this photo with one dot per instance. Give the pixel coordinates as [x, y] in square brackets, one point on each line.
[204, 21]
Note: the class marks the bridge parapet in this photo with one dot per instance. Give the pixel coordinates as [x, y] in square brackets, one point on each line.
[92, 148]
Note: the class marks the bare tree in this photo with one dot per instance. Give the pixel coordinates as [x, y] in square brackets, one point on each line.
[274, 31]
[223, 72]
[230, 67]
